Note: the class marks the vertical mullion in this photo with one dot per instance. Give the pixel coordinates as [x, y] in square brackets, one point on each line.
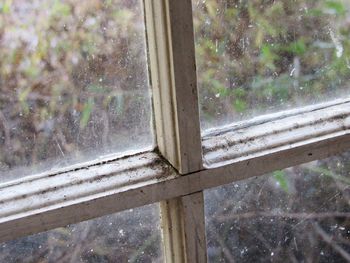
[174, 82]
[183, 229]
[170, 39]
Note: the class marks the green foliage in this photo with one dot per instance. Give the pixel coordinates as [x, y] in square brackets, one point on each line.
[268, 56]
[297, 48]
[336, 6]
[239, 105]
[280, 177]
[282, 53]
[5, 6]
[70, 74]
[59, 9]
[331, 174]
[87, 109]
[22, 97]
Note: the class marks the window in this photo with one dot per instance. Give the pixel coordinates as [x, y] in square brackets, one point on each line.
[256, 57]
[185, 161]
[291, 214]
[132, 235]
[74, 83]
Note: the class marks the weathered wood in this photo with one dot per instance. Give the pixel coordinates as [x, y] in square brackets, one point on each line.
[194, 229]
[39, 203]
[35, 215]
[231, 145]
[183, 219]
[173, 77]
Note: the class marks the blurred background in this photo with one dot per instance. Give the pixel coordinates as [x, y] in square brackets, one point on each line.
[262, 56]
[300, 214]
[74, 86]
[73, 82]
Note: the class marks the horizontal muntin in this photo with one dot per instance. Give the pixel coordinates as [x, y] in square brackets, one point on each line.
[260, 119]
[43, 202]
[45, 198]
[230, 146]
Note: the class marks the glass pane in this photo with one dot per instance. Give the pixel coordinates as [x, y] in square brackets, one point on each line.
[256, 57]
[300, 214]
[73, 82]
[129, 236]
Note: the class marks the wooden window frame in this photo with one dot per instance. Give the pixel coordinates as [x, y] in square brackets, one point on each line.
[185, 163]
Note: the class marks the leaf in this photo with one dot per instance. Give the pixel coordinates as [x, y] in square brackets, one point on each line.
[22, 97]
[239, 92]
[239, 105]
[336, 6]
[6, 6]
[268, 56]
[297, 47]
[280, 177]
[219, 87]
[87, 109]
[60, 9]
[328, 173]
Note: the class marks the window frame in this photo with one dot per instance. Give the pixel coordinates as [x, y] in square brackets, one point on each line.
[185, 162]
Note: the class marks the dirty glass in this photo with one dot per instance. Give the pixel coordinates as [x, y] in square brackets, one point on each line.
[73, 82]
[300, 214]
[257, 57]
[129, 236]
